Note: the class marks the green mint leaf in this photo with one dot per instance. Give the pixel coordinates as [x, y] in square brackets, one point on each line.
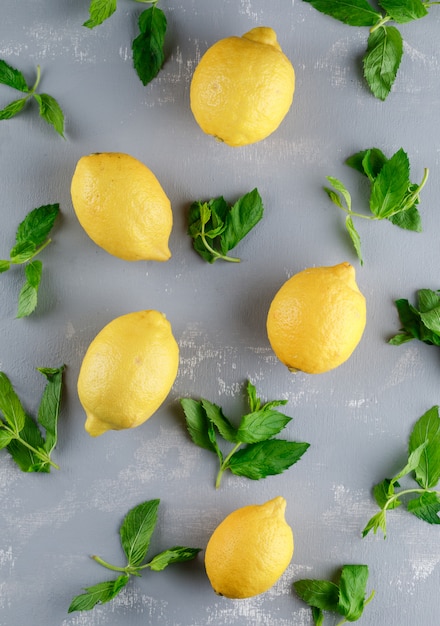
[402, 12]
[317, 616]
[178, 554]
[10, 405]
[355, 237]
[243, 216]
[409, 219]
[352, 12]
[36, 226]
[4, 265]
[384, 491]
[426, 507]
[197, 423]
[27, 300]
[148, 46]
[51, 111]
[261, 425]
[414, 460]
[409, 317]
[368, 162]
[12, 109]
[382, 60]
[430, 314]
[377, 522]
[221, 422]
[12, 77]
[342, 190]
[98, 594]
[49, 409]
[24, 450]
[99, 11]
[352, 586]
[321, 594]
[427, 301]
[253, 400]
[413, 324]
[136, 531]
[22, 252]
[426, 433]
[5, 437]
[390, 186]
[266, 458]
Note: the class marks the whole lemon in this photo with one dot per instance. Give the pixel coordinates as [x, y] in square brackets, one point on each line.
[243, 87]
[127, 371]
[122, 207]
[249, 551]
[317, 319]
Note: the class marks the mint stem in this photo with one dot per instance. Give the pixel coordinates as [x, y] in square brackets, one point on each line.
[224, 465]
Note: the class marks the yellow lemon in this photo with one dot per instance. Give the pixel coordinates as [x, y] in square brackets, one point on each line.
[317, 319]
[249, 551]
[243, 87]
[122, 207]
[127, 371]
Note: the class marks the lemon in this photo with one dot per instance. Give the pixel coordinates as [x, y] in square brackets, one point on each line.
[243, 87]
[317, 318]
[127, 371]
[250, 549]
[122, 207]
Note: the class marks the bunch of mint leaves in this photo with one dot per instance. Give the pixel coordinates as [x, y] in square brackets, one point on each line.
[392, 195]
[148, 45]
[421, 321]
[256, 453]
[423, 465]
[216, 227]
[135, 534]
[49, 108]
[384, 52]
[347, 598]
[20, 434]
[31, 238]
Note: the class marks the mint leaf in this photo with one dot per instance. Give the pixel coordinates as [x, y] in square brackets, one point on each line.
[4, 265]
[352, 586]
[12, 77]
[390, 186]
[368, 162]
[98, 594]
[137, 529]
[51, 112]
[266, 458]
[50, 404]
[383, 494]
[243, 216]
[322, 594]
[27, 300]
[220, 421]
[382, 60]
[402, 12]
[261, 425]
[36, 226]
[408, 219]
[5, 438]
[99, 11]
[177, 554]
[11, 109]
[355, 237]
[148, 46]
[352, 12]
[417, 324]
[10, 405]
[377, 522]
[426, 507]
[426, 432]
[197, 423]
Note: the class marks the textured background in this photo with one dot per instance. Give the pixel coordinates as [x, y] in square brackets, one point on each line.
[356, 418]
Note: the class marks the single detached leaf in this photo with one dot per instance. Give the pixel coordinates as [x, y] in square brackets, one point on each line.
[426, 432]
[352, 586]
[136, 531]
[241, 219]
[98, 594]
[12, 78]
[51, 111]
[99, 11]
[178, 554]
[37, 224]
[407, 11]
[220, 421]
[10, 405]
[148, 46]
[266, 458]
[321, 594]
[11, 109]
[49, 409]
[390, 186]
[261, 425]
[426, 507]
[352, 12]
[382, 60]
[197, 423]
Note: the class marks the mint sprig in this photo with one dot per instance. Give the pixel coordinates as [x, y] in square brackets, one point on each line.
[135, 534]
[392, 194]
[148, 45]
[384, 52]
[256, 453]
[20, 434]
[49, 108]
[420, 322]
[31, 238]
[346, 597]
[216, 227]
[423, 465]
